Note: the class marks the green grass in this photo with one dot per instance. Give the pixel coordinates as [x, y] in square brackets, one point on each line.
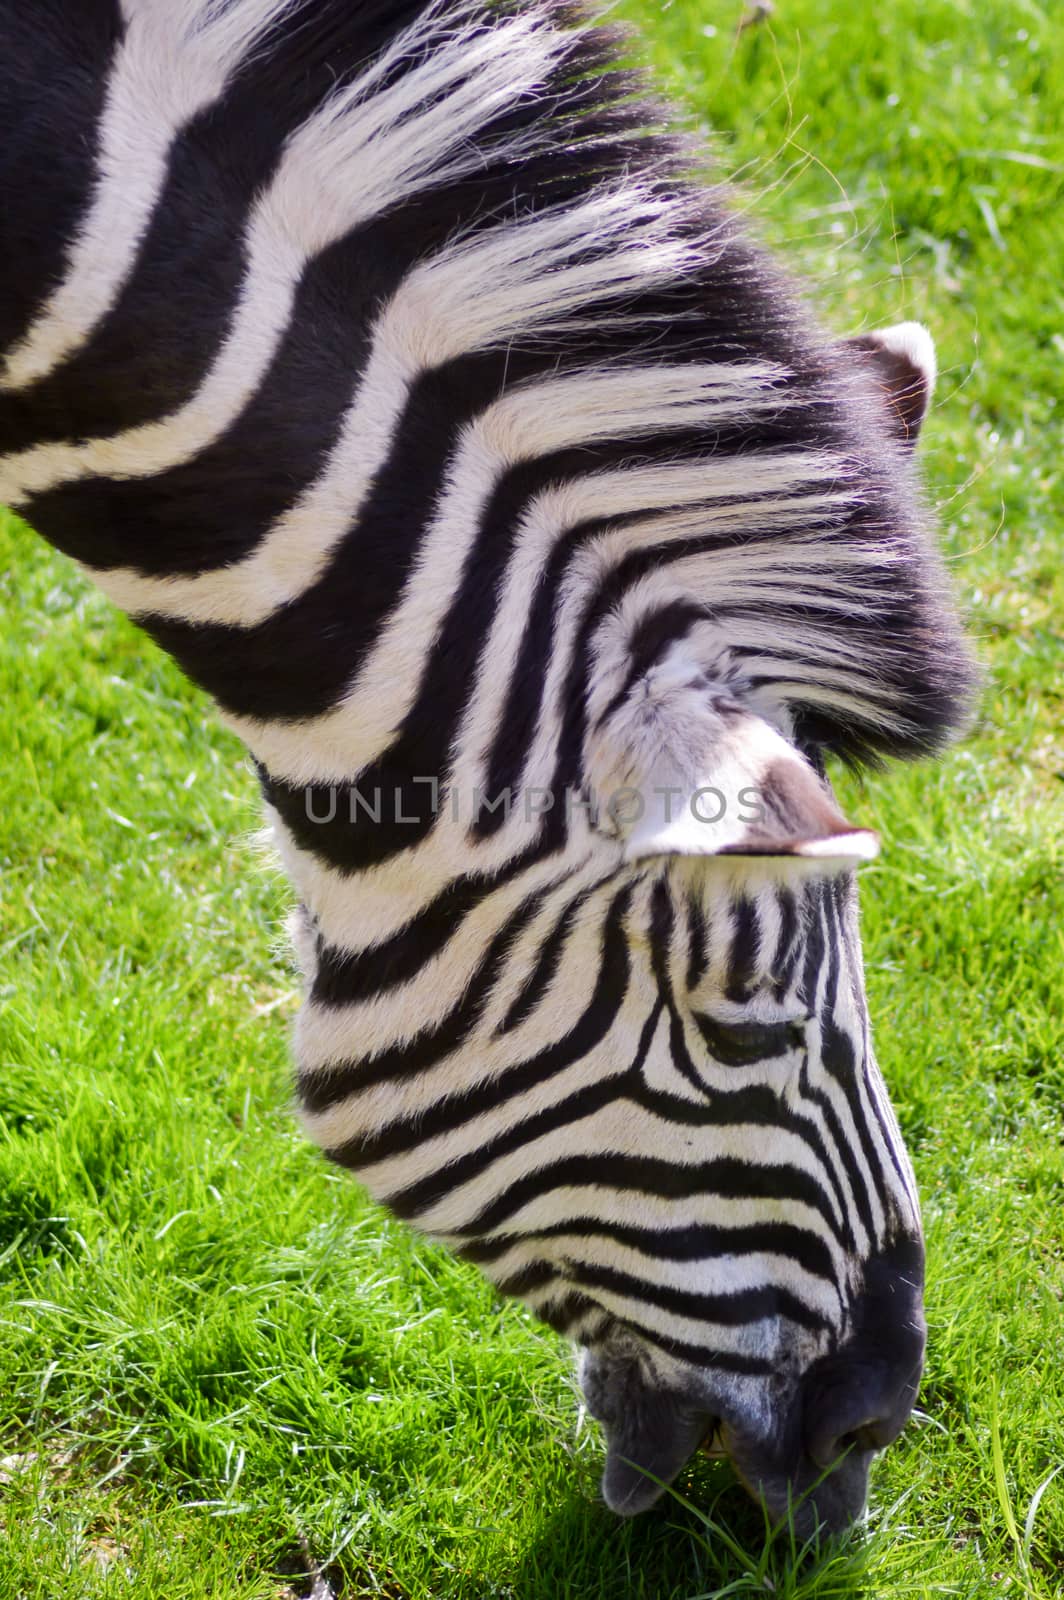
[217, 1362]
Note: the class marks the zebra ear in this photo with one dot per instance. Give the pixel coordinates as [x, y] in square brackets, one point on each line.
[901, 361]
[692, 772]
[760, 802]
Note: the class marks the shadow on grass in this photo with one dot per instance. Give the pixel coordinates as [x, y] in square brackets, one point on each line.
[704, 1540]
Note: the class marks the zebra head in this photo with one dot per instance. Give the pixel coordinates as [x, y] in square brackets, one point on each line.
[391, 366]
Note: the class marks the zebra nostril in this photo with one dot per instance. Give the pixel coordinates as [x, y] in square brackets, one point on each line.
[853, 1407]
[827, 1445]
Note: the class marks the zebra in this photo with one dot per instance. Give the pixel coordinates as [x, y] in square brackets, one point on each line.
[395, 366]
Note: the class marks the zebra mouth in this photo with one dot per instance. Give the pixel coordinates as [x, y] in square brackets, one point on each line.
[713, 1444]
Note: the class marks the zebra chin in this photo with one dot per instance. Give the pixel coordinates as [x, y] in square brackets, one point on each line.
[803, 1449]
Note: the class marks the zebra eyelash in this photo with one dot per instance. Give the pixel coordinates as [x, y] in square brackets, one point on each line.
[741, 1044]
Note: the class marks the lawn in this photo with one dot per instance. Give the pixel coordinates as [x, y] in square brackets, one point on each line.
[219, 1366]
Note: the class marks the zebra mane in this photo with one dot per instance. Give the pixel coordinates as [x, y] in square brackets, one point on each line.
[677, 398]
[543, 268]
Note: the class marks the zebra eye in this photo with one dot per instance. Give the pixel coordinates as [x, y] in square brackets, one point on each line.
[737, 1044]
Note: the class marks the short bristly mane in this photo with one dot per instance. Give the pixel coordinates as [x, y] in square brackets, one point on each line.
[537, 257]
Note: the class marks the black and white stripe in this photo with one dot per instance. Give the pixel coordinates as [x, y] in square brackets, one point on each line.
[385, 362]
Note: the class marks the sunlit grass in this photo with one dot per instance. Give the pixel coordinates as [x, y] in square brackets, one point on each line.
[218, 1365]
